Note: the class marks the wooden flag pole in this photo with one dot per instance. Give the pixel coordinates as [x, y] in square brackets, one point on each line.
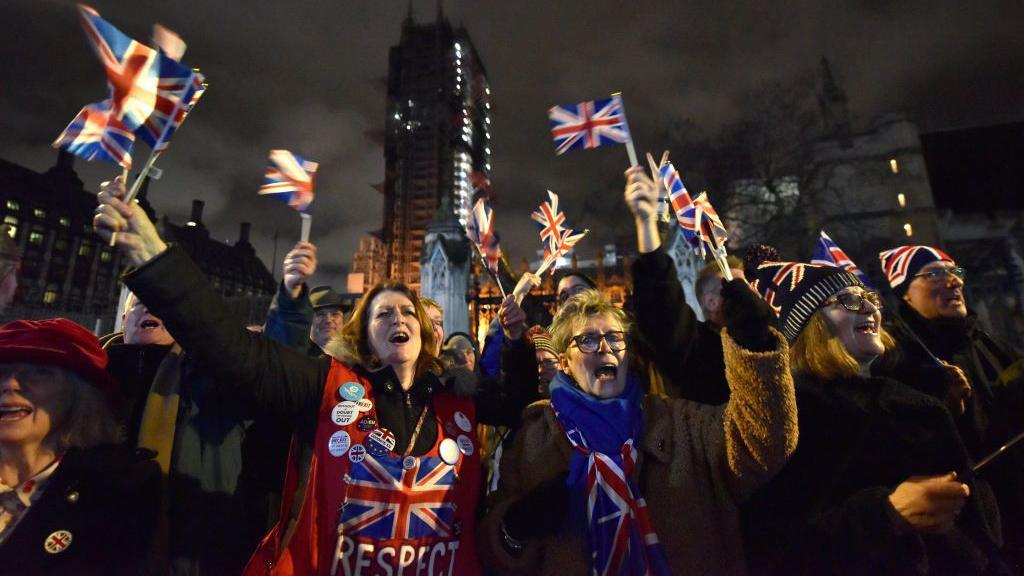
[307, 223]
[494, 275]
[717, 251]
[629, 143]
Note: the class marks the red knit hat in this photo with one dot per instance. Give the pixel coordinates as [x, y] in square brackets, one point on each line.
[59, 343]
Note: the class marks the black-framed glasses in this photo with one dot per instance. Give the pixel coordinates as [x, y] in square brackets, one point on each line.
[939, 274]
[589, 343]
[854, 301]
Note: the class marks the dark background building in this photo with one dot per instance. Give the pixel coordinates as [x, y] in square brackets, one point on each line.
[66, 270]
[437, 136]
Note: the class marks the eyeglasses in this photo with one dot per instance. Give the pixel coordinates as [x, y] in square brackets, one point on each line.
[939, 274]
[589, 343]
[854, 301]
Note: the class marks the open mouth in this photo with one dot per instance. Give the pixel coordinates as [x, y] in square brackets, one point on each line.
[606, 372]
[867, 328]
[13, 413]
[399, 338]
[149, 324]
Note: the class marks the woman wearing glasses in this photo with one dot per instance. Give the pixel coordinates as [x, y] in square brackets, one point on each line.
[933, 313]
[880, 482]
[603, 479]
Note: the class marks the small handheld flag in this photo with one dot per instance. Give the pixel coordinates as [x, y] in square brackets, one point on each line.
[480, 229]
[551, 222]
[591, 124]
[698, 221]
[289, 178]
[828, 253]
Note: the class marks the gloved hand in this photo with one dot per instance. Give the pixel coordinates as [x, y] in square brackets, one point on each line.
[747, 316]
[540, 512]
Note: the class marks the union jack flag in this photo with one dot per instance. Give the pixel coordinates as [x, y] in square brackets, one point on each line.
[386, 501]
[551, 221]
[895, 262]
[95, 134]
[828, 253]
[623, 540]
[289, 178]
[176, 96]
[700, 224]
[678, 195]
[480, 230]
[588, 124]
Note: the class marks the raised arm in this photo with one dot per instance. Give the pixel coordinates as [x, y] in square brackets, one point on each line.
[760, 417]
[501, 399]
[291, 314]
[663, 318]
[268, 374]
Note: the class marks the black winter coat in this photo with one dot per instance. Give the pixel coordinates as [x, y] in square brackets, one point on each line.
[685, 350]
[107, 498]
[994, 413]
[828, 512]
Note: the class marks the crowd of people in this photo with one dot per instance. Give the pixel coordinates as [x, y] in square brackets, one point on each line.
[804, 427]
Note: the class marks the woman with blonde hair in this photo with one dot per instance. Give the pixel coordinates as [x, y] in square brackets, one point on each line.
[394, 475]
[880, 482]
[605, 479]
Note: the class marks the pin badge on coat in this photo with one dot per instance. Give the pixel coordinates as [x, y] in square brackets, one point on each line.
[357, 453]
[339, 443]
[351, 391]
[344, 413]
[57, 542]
[463, 422]
[449, 451]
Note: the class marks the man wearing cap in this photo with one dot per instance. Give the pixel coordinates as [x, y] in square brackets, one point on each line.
[72, 500]
[10, 260]
[933, 319]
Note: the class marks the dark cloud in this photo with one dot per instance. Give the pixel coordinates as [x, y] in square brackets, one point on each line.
[305, 76]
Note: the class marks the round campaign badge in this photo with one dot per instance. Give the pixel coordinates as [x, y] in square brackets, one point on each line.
[449, 451]
[357, 453]
[465, 445]
[385, 437]
[351, 391]
[364, 404]
[463, 422]
[338, 443]
[367, 423]
[408, 462]
[57, 542]
[344, 413]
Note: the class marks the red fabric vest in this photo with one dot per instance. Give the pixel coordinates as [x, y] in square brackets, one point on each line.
[367, 511]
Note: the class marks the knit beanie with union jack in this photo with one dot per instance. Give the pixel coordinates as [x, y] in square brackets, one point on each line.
[796, 290]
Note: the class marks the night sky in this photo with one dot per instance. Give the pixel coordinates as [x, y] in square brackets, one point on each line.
[308, 76]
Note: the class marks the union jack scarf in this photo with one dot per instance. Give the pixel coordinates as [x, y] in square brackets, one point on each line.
[602, 432]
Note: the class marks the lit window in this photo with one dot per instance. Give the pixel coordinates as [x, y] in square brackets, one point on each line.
[894, 166]
[902, 199]
[908, 229]
[10, 220]
[39, 213]
[85, 250]
[105, 256]
[12, 205]
[65, 221]
[50, 297]
[35, 238]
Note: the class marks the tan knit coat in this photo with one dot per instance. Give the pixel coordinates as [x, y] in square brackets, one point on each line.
[697, 464]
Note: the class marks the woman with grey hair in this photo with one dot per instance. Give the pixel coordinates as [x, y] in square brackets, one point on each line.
[72, 501]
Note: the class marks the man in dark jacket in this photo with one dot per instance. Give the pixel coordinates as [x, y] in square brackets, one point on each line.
[932, 319]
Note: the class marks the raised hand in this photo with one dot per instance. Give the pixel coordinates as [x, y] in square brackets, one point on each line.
[930, 504]
[299, 266]
[125, 225]
[512, 318]
[747, 317]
